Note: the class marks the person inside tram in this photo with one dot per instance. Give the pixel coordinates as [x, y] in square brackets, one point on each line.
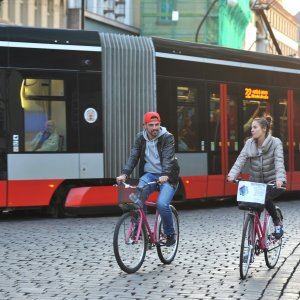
[265, 155]
[187, 136]
[46, 139]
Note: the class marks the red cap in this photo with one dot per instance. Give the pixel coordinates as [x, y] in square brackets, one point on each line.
[151, 116]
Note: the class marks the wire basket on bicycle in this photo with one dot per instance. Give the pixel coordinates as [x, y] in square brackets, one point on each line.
[251, 195]
[127, 195]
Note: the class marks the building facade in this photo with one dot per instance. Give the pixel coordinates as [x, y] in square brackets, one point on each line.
[120, 16]
[35, 13]
[219, 22]
[285, 28]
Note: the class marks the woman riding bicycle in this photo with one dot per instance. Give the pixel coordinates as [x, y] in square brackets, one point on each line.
[265, 156]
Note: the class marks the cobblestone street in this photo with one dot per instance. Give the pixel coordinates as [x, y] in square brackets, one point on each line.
[73, 259]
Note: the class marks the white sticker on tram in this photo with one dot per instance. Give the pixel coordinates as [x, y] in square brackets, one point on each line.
[50, 46]
[226, 63]
[55, 166]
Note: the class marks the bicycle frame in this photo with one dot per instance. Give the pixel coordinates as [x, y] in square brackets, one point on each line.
[133, 235]
[260, 228]
[143, 219]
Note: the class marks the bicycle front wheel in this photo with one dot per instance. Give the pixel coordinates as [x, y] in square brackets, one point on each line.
[273, 246]
[167, 254]
[129, 251]
[247, 246]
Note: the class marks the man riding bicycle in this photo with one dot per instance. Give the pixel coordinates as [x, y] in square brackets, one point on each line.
[154, 149]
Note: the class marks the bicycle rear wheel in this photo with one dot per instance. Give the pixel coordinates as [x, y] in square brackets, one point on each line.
[167, 254]
[247, 245]
[273, 246]
[129, 253]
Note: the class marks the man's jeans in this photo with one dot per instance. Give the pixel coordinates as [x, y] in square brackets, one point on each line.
[164, 199]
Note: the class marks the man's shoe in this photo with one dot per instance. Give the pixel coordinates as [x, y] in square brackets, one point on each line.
[170, 240]
[278, 233]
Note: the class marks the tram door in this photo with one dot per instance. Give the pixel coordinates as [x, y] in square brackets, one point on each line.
[224, 136]
[90, 126]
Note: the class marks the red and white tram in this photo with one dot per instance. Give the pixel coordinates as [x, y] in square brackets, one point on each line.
[95, 88]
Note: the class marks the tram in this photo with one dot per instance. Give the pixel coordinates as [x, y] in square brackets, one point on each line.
[94, 89]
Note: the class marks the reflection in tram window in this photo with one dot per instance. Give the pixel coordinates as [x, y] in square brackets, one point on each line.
[186, 133]
[44, 115]
[281, 125]
[186, 94]
[283, 129]
[214, 121]
[233, 133]
[252, 109]
[186, 116]
[214, 134]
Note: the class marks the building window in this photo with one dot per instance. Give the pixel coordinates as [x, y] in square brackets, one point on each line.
[50, 13]
[165, 9]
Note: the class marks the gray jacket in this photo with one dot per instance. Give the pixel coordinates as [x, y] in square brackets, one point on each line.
[264, 167]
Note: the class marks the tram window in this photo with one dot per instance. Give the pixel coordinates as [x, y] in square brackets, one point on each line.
[214, 128]
[280, 118]
[233, 138]
[2, 117]
[232, 123]
[165, 10]
[214, 132]
[186, 94]
[283, 129]
[44, 109]
[186, 119]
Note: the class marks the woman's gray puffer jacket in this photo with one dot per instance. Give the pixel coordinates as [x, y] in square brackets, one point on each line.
[264, 167]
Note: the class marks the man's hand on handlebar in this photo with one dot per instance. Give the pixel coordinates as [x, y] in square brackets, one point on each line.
[163, 179]
[121, 178]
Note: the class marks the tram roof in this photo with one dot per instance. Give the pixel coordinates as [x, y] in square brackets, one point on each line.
[168, 46]
[221, 53]
[49, 36]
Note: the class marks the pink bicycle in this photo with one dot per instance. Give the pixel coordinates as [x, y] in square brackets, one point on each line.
[133, 235]
[257, 236]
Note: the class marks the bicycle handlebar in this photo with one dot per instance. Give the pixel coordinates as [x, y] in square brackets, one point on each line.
[126, 185]
[272, 184]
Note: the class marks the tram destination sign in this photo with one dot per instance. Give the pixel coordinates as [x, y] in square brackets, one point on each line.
[256, 94]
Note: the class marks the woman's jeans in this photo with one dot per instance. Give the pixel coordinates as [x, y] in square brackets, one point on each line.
[166, 193]
[272, 193]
